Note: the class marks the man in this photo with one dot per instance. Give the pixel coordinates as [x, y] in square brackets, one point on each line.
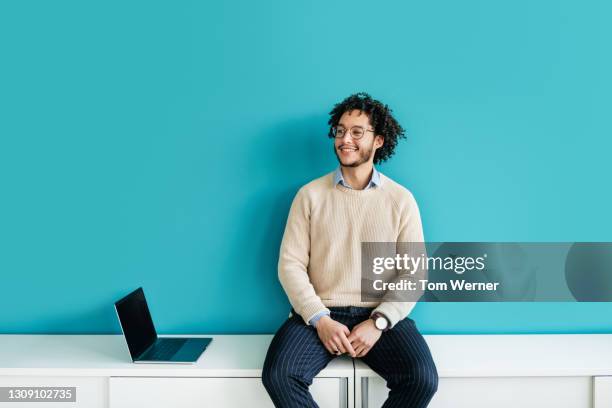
[320, 269]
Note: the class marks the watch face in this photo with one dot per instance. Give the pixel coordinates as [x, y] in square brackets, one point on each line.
[381, 323]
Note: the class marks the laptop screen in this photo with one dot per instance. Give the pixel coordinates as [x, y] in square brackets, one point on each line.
[136, 322]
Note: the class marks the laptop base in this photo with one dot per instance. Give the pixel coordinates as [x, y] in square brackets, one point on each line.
[187, 353]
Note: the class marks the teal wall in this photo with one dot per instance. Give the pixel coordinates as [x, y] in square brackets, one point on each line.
[160, 144]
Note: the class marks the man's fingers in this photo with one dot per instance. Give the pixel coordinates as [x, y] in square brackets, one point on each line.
[359, 349]
[363, 352]
[355, 341]
[331, 347]
[339, 344]
[347, 346]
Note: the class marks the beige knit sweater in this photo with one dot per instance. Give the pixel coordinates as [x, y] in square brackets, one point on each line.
[320, 256]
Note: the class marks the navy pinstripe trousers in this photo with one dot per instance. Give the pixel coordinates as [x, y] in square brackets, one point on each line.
[401, 357]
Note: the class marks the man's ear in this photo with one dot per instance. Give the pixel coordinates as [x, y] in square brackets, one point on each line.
[379, 141]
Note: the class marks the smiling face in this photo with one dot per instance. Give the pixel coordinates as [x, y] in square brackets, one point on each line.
[355, 152]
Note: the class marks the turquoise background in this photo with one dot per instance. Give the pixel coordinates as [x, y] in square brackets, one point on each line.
[161, 143]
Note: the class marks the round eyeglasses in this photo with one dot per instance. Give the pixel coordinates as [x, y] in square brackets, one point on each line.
[356, 132]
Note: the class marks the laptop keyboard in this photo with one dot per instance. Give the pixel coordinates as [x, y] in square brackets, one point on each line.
[165, 349]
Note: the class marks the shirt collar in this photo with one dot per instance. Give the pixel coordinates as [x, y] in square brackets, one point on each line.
[374, 181]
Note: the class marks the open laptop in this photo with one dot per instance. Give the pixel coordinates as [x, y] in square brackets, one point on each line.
[142, 340]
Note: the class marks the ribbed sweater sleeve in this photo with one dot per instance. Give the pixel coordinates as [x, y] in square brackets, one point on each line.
[294, 259]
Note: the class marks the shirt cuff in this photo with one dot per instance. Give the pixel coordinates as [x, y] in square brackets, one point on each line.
[313, 321]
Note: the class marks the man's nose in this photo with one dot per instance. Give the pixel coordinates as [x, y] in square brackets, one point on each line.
[347, 138]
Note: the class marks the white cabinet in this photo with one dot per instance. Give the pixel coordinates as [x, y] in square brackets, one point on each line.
[476, 371]
[510, 371]
[498, 392]
[227, 375]
[129, 392]
[602, 392]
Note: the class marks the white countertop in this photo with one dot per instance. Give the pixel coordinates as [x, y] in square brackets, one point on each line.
[107, 355]
[243, 356]
[501, 355]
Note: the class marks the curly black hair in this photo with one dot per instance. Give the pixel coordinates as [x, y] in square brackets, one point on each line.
[381, 119]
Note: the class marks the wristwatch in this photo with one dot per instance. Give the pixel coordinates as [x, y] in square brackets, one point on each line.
[380, 321]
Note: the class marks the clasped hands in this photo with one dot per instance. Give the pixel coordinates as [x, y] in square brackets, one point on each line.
[338, 339]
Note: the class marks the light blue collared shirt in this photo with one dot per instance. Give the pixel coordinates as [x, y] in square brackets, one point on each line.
[374, 181]
[339, 179]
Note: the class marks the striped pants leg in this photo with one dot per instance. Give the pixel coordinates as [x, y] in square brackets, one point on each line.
[401, 357]
[295, 357]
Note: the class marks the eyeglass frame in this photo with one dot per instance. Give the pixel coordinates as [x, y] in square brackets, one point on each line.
[350, 131]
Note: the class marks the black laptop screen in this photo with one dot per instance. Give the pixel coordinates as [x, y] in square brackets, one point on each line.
[136, 322]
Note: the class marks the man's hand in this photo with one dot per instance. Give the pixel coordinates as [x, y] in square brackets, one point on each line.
[363, 337]
[333, 336]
